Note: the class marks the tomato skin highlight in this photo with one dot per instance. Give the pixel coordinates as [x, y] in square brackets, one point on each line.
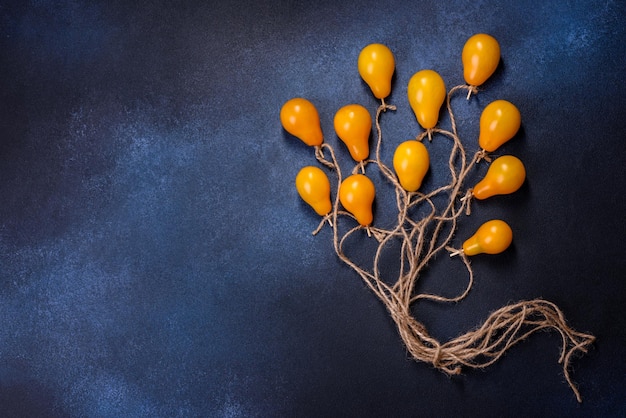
[506, 175]
[353, 125]
[493, 237]
[426, 93]
[480, 56]
[411, 162]
[356, 194]
[313, 187]
[499, 122]
[300, 118]
[376, 66]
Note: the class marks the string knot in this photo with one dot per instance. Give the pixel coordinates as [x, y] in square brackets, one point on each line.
[378, 234]
[467, 200]
[471, 90]
[482, 155]
[384, 106]
[319, 154]
[326, 218]
[453, 251]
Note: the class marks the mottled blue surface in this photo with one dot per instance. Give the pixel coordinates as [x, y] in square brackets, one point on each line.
[156, 261]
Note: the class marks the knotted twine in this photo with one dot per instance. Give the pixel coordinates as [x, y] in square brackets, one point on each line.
[421, 241]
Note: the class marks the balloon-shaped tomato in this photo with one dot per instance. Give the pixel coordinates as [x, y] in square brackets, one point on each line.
[411, 162]
[314, 188]
[493, 237]
[376, 66]
[506, 175]
[299, 117]
[481, 55]
[353, 125]
[426, 92]
[499, 122]
[356, 194]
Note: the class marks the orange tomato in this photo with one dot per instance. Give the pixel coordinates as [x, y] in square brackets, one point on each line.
[353, 125]
[299, 117]
[493, 237]
[411, 162]
[376, 66]
[499, 122]
[481, 55]
[356, 194]
[314, 188]
[506, 175]
[426, 92]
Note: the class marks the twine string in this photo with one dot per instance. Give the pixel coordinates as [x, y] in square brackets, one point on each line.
[420, 242]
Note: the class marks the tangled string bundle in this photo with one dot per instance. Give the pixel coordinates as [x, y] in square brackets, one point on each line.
[425, 233]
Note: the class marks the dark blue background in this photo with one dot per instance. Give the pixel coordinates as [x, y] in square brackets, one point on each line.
[156, 260]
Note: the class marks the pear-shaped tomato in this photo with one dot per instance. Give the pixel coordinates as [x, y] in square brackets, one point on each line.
[353, 125]
[411, 162]
[426, 92]
[376, 66]
[300, 118]
[506, 175]
[493, 237]
[481, 55]
[356, 194]
[314, 188]
[499, 122]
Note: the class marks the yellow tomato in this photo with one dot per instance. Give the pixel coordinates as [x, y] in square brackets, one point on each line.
[481, 55]
[411, 162]
[505, 175]
[499, 122]
[356, 194]
[314, 188]
[426, 92]
[376, 66]
[299, 117]
[353, 125]
[492, 237]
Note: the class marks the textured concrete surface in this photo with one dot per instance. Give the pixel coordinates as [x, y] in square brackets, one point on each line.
[156, 261]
